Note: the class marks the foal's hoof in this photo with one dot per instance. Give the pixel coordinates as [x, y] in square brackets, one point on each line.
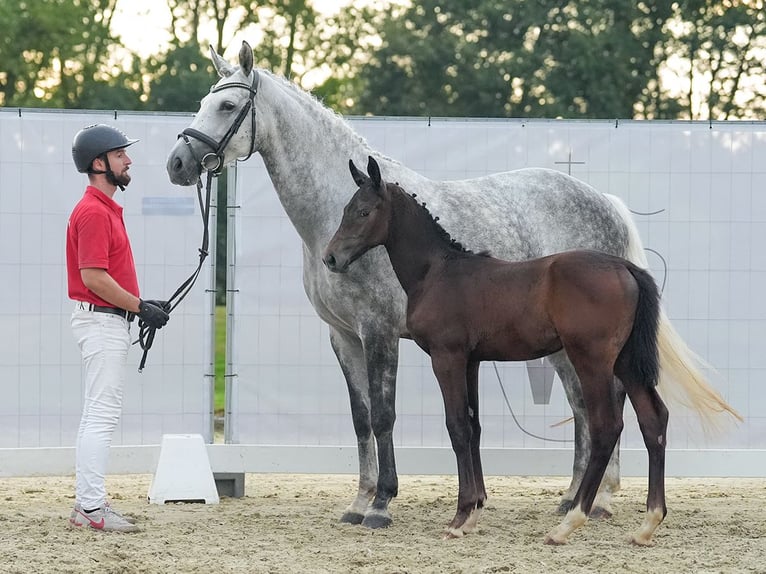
[352, 518]
[377, 520]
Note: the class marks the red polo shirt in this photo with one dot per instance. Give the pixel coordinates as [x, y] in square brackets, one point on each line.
[96, 237]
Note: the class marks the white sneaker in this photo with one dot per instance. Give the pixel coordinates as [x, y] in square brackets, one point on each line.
[103, 518]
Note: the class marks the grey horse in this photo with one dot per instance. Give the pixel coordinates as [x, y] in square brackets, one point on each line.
[514, 215]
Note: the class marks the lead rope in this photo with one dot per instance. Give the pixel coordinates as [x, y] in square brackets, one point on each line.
[145, 332]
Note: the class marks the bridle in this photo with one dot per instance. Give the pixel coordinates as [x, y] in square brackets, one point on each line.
[213, 160]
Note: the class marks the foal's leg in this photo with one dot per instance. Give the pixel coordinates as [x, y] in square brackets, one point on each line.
[472, 381]
[602, 507]
[372, 409]
[653, 420]
[605, 425]
[450, 371]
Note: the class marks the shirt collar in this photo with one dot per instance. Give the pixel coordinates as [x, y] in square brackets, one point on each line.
[96, 193]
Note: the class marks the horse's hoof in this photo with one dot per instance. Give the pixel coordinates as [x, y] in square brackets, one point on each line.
[452, 533]
[352, 518]
[376, 521]
[640, 541]
[551, 541]
[599, 512]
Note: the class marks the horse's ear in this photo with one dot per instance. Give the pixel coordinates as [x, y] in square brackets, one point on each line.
[374, 171]
[246, 58]
[359, 178]
[221, 66]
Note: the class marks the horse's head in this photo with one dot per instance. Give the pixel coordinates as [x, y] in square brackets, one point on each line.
[365, 219]
[224, 127]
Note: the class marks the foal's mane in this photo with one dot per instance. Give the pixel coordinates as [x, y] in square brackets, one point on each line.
[446, 237]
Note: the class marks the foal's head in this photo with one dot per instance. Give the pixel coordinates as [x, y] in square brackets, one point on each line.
[365, 222]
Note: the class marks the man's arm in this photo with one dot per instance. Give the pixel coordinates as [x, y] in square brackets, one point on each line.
[103, 285]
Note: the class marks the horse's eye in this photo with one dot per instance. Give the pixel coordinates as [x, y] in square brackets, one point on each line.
[227, 106]
[364, 213]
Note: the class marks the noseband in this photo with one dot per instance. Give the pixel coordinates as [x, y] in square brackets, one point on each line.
[213, 160]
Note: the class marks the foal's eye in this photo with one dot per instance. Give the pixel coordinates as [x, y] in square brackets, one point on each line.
[227, 106]
[364, 213]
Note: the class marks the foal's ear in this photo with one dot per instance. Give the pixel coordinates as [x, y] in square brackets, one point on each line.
[374, 171]
[221, 66]
[359, 178]
[246, 59]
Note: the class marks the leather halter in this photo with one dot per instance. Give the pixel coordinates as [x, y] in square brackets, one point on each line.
[213, 160]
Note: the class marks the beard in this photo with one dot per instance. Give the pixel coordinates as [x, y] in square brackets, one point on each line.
[122, 179]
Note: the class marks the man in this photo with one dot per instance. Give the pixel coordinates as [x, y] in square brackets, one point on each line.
[103, 283]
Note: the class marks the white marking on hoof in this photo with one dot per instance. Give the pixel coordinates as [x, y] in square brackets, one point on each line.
[451, 533]
[643, 537]
[472, 522]
[572, 521]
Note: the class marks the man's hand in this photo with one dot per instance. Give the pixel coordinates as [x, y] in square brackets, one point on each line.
[164, 305]
[153, 314]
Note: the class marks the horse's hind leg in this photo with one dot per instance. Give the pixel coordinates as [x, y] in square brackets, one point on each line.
[605, 425]
[602, 507]
[653, 420]
[366, 408]
[472, 381]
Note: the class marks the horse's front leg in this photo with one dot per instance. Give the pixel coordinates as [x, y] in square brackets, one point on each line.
[381, 351]
[602, 507]
[450, 371]
[348, 350]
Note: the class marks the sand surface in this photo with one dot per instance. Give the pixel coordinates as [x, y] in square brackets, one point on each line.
[289, 524]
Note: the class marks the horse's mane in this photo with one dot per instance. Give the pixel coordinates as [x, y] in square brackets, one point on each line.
[443, 234]
[323, 112]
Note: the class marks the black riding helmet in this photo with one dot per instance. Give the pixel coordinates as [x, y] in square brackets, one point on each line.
[93, 141]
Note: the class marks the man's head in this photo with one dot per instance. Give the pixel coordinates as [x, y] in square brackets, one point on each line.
[100, 149]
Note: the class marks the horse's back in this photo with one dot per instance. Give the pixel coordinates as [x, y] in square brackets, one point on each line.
[525, 213]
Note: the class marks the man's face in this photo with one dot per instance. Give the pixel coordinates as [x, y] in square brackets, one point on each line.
[120, 164]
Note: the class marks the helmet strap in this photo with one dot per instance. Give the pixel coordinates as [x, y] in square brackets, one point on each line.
[110, 177]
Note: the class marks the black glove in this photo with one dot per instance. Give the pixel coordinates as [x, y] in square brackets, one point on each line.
[164, 305]
[152, 314]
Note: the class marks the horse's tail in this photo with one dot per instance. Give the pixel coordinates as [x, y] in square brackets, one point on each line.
[641, 349]
[681, 379]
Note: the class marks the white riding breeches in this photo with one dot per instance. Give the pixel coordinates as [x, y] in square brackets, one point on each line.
[104, 340]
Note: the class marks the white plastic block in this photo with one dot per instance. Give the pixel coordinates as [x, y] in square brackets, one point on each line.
[183, 472]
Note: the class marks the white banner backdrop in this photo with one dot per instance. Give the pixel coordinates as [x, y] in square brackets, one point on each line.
[40, 373]
[697, 191]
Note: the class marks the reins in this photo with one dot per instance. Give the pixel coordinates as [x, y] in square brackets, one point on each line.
[145, 332]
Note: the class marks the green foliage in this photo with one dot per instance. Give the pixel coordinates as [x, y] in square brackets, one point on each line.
[57, 53]
[220, 360]
[516, 58]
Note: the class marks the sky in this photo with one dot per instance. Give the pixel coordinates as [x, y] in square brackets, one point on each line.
[143, 24]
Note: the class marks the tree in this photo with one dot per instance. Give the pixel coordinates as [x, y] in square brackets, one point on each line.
[717, 50]
[499, 58]
[59, 53]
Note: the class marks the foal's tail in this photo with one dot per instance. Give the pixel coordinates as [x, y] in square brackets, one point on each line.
[640, 349]
[681, 380]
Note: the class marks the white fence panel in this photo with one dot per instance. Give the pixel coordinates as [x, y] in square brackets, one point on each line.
[696, 189]
[40, 373]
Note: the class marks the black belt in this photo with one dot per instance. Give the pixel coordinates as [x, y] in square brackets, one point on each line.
[112, 311]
